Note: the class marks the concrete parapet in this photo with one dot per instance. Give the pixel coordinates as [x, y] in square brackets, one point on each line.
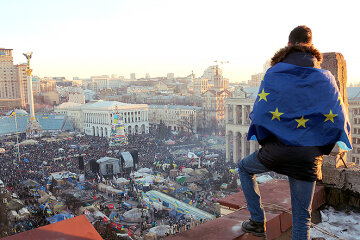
[336, 64]
[336, 172]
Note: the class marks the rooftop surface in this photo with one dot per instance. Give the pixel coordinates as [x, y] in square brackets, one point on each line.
[183, 107]
[276, 198]
[49, 122]
[77, 228]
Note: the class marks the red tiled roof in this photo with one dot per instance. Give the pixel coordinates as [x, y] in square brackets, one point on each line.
[77, 228]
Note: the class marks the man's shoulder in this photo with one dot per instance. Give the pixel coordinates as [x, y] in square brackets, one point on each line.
[288, 68]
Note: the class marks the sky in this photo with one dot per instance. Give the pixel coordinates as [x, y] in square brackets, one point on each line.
[83, 38]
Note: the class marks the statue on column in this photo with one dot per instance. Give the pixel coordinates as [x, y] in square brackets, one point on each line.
[33, 128]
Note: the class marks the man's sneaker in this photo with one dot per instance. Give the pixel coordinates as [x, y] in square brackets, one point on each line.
[256, 228]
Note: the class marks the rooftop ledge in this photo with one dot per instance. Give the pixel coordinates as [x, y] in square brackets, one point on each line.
[275, 195]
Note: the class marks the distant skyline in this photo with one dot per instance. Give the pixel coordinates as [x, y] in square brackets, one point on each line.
[83, 38]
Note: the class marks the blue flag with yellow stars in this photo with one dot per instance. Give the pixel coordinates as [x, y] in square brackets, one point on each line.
[301, 106]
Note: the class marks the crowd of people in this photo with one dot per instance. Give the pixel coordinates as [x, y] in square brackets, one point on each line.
[37, 159]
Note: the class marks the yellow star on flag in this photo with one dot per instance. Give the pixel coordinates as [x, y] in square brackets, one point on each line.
[301, 122]
[263, 95]
[330, 116]
[276, 114]
[341, 100]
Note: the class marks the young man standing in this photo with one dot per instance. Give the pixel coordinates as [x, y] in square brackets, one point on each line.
[297, 118]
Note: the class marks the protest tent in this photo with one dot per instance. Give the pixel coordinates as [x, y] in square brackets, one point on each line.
[134, 215]
[104, 162]
[100, 215]
[24, 213]
[102, 187]
[113, 190]
[59, 217]
[192, 155]
[210, 156]
[145, 170]
[170, 142]
[187, 170]
[13, 215]
[200, 172]
[182, 190]
[58, 206]
[30, 183]
[192, 179]
[91, 209]
[15, 204]
[44, 197]
[126, 205]
[175, 214]
[181, 179]
[161, 231]
[122, 181]
[194, 187]
[157, 206]
[29, 142]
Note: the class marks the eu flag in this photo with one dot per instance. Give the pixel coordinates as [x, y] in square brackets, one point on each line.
[301, 106]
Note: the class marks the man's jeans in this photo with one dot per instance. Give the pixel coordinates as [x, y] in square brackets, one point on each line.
[301, 196]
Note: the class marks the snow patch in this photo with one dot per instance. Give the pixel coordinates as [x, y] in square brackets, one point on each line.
[344, 224]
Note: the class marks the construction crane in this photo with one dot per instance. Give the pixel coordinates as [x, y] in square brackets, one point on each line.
[222, 65]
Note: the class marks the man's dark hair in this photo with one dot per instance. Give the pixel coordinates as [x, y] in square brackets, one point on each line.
[300, 34]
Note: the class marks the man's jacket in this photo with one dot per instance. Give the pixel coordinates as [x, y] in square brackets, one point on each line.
[298, 115]
[301, 106]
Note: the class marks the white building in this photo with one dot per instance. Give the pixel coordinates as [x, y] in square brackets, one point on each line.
[211, 72]
[100, 82]
[256, 79]
[77, 98]
[175, 117]
[73, 112]
[96, 117]
[237, 120]
[139, 89]
[353, 94]
[132, 76]
[200, 85]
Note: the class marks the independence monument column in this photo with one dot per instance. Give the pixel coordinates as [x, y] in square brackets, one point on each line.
[33, 128]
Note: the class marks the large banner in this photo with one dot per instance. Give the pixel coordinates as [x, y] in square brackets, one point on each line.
[117, 136]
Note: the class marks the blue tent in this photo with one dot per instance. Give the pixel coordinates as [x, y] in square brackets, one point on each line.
[114, 215]
[59, 217]
[126, 205]
[175, 214]
[80, 186]
[183, 189]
